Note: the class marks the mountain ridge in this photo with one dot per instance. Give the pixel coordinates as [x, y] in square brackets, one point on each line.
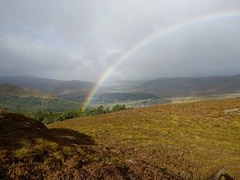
[165, 87]
[53, 86]
[186, 86]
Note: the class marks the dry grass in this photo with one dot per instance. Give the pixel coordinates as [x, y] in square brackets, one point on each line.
[176, 141]
[189, 140]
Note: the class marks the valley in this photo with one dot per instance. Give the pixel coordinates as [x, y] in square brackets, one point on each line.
[134, 93]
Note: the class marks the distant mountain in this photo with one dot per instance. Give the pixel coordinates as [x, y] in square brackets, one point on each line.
[162, 87]
[19, 99]
[186, 86]
[70, 90]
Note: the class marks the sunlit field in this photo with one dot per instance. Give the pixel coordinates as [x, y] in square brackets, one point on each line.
[188, 140]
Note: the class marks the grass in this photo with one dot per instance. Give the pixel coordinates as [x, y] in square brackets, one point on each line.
[174, 141]
[28, 150]
[189, 140]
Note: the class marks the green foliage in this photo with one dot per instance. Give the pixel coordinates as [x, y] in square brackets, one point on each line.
[118, 108]
[51, 117]
[102, 110]
[35, 104]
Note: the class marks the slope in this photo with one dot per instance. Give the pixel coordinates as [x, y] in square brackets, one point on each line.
[69, 90]
[28, 150]
[179, 141]
[19, 99]
[7, 89]
[185, 86]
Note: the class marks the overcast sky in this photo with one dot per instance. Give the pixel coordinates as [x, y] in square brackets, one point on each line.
[81, 39]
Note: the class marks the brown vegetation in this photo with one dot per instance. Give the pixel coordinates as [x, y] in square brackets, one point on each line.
[182, 141]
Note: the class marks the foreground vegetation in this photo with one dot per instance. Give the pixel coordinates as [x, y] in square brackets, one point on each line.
[187, 141]
[176, 141]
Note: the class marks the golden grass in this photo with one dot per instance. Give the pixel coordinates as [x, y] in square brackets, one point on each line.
[188, 140]
[175, 141]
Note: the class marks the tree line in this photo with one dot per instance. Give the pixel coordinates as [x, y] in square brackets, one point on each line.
[51, 117]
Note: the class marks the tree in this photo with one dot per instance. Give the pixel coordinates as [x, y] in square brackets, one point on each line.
[79, 112]
[118, 108]
[99, 110]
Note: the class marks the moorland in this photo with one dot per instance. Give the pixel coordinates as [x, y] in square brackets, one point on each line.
[178, 128]
[174, 141]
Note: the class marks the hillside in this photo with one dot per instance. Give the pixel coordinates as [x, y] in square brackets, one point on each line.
[181, 141]
[177, 141]
[7, 89]
[28, 150]
[69, 90]
[19, 99]
[184, 86]
[134, 93]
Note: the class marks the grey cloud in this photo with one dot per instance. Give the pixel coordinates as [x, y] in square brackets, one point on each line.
[200, 50]
[82, 39]
[71, 20]
[21, 55]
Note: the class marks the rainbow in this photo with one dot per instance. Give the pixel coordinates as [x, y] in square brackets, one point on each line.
[148, 40]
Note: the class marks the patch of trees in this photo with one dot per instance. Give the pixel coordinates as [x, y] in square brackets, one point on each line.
[51, 117]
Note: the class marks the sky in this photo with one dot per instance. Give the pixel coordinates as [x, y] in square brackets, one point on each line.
[83, 39]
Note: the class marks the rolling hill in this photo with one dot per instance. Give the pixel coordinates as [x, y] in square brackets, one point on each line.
[181, 141]
[7, 89]
[185, 86]
[135, 92]
[69, 90]
[19, 99]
